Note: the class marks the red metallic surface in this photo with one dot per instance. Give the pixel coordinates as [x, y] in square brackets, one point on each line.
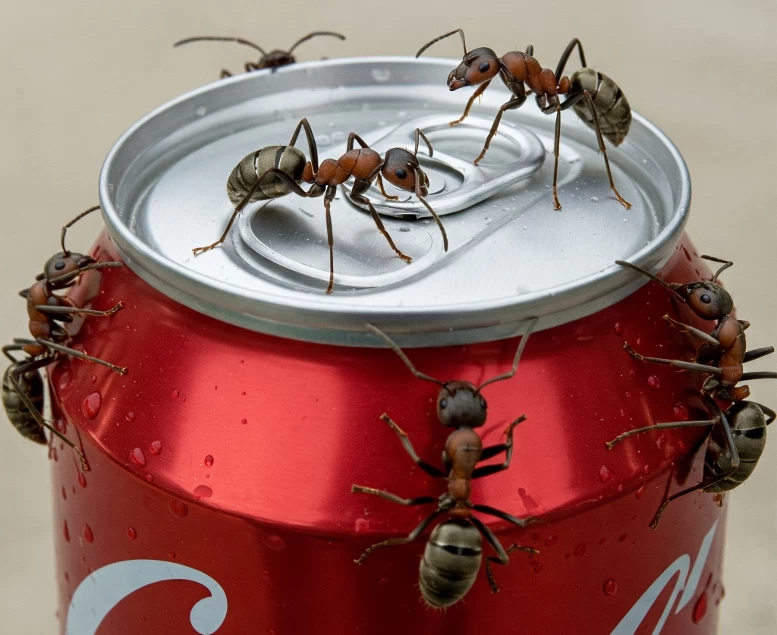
[233, 453]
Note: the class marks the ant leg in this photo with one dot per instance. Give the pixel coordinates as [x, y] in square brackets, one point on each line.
[492, 511]
[330, 238]
[400, 541]
[251, 66]
[603, 150]
[517, 102]
[354, 137]
[71, 310]
[431, 470]
[429, 207]
[387, 196]
[478, 92]
[556, 143]
[16, 346]
[224, 74]
[493, 450]
[67, 277]
[701, 368]
[734, 466]
[36, 413]
[693, 332]
[379, 223]
[565, 56]
[759, 375]
[771, 415]
[312, 147]
[661, 426]
[79, 355]
[501, 557]
[757, 353]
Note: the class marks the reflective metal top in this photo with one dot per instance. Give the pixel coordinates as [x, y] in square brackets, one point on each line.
[511, 256]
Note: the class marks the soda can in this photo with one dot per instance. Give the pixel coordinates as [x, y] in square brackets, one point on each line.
[219, 493]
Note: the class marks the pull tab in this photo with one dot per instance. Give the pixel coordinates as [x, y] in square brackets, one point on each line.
[455, 182]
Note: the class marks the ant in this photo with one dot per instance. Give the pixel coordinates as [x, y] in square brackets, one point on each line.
[734, 447]
[273, 59]
[523, 75]
[48, 314]
[453, 553]
[275, 171]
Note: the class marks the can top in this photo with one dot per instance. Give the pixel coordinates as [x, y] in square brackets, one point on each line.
[511, 256]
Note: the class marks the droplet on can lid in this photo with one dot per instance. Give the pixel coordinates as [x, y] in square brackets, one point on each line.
[155, 447]
[178, 508]
[138, 458]
[203, 491]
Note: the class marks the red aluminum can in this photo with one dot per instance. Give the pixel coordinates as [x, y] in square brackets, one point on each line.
[219, 493]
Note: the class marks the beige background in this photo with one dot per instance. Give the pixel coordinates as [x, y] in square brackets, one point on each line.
[75, 74]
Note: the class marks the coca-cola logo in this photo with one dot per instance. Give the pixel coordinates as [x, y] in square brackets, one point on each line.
[101, 591]
[685, 583]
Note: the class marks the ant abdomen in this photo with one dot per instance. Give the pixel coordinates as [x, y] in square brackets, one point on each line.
[612, 107]
[288, 159]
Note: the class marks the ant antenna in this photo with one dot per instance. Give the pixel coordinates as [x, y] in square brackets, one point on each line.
[420, 135]
[213, 38]
[516, 360]
[671, 286]
[442, 37]
[726, 265]
[404, 357]
[418, 176]
[305, 38]
[65, 252]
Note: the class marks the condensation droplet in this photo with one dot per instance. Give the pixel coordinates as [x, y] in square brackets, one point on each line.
[203, 491]
[604, 474]
[610, 587]
[155, 447]
[536, 567]
[200, 111]
[244, 421]
[91, 405]
[64, 493]
[579, 550]
[654, 382]
[583, 334]
[88, 534]
[404, 228]
[132, 534]
[618, 329]
[94, 379]
[489, 220]
[81, 479]
[176, 394]
[208, 461]
[551, 540]
[138, 458]
[361, 525]
[66, 531]
[130, 416]
[640, 492]
[622, 537]
[681, 412]
[178, 508]
[276, 543]
[700, 608]
[64, 380]
[594, 199]
[323, 140]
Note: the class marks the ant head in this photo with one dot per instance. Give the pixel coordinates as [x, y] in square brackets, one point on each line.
[460, 404]
[401, 168]
[708, 300]
[478, 66]
[277, 58]
[62, 264]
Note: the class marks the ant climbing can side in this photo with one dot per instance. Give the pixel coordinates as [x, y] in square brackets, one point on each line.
[219, 498]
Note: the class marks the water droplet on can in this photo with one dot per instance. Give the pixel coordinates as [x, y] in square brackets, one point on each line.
[610, 587]
[380, 75]
[64, 493]
[618, 329]
[640, 492]
[155, 447]
[208, 461]
[91, 405]
[680, 411]
[361, 525]
[88, 535]
[550, 541]
[579, 550]
[536, 567]
[203, 491]
[276, 543]
[130, 416]
[622, 537]
[200, 111]
[700, 608]
[138, 458]
[81, 479]
[132, 534]
[178, 508]
[604, 474]
[244, 421]
[176, 394]
[66, 531]
[654, 382]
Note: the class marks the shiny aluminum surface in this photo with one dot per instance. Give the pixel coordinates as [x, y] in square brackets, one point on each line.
[511, 257]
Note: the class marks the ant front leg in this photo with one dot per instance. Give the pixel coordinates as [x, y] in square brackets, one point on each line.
[54, 311]
[693, 332]
[224, 74]
[312, 146]
[356, 196]
[387, 196]
[59, 348]
[517, 102]
[506, 447]
[431, 470]
[478, 92]
[699, 368]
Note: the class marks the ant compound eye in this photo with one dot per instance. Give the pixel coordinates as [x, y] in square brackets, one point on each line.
[484, 67]
[443, 404]
[705, 298]
[60, 265]
[482, 403]
[401, 174]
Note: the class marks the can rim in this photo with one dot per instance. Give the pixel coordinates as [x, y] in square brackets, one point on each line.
[278, 314]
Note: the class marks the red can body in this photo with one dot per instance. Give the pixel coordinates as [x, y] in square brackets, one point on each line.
[219, 501]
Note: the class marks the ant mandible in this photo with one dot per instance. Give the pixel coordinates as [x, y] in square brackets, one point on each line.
[523, 75]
